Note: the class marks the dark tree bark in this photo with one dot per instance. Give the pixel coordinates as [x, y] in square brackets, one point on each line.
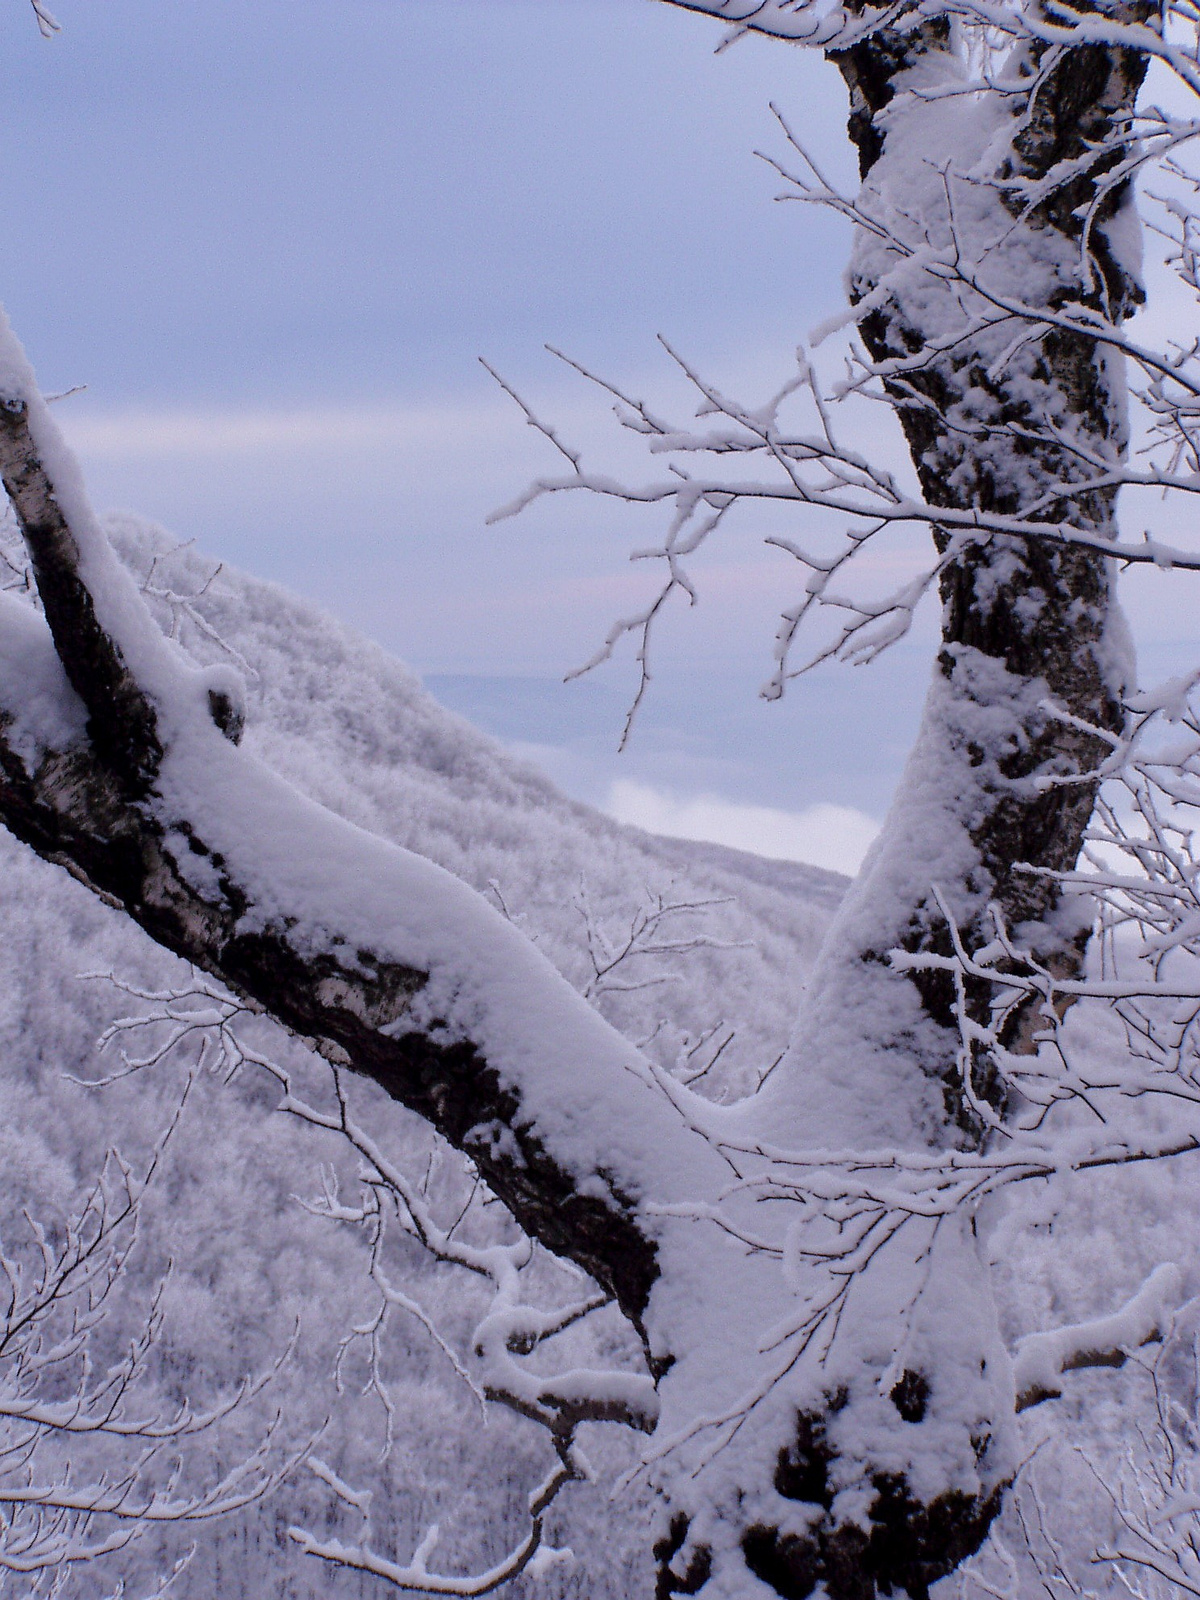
[1035, 611]
[96, 808]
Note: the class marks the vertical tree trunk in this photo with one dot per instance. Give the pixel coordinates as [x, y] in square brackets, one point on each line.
[1029, 627]
[900, 1439]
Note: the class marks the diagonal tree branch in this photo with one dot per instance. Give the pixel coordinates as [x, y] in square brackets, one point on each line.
[119, 769]
[122, 723]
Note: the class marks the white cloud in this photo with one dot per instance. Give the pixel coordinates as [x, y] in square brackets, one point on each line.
[823, 835]
[173, 433]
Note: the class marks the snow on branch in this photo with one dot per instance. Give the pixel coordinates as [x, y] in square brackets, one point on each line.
[805, 22]
[110, 734]
[1042, 1359]
[531, 1555]
[47, 24]
[822, 471]
[201, 1023]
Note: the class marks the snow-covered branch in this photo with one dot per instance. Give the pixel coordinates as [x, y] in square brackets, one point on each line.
[417, 983]
[531, 1555]
[204, 1025]
[1041, 1359]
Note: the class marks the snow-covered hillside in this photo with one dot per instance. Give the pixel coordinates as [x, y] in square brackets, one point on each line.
[356, 730]
[352, 727]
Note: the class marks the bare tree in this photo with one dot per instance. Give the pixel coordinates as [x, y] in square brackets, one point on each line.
[828, 1395]
[93, 1456]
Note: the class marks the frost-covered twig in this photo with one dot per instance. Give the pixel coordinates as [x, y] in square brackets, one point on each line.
[182, 610]
[811, 462]
[91, 1456]
[208, 1024]
[532, 1554]
[617, 957]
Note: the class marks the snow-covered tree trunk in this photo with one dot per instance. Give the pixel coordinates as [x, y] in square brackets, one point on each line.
[1004, 421]
[903, 1437]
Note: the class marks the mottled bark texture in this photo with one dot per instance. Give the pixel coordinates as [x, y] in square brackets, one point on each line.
[1028, 625]
[1000, 441]
[90, 810]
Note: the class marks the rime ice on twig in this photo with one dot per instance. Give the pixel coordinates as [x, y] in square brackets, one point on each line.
[91, 1457]
[203, 1022]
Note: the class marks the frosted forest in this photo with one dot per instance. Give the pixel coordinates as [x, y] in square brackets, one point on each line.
[417, 1182]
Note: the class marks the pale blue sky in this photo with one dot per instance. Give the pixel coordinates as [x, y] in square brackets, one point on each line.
[350, 199]
[273, 237]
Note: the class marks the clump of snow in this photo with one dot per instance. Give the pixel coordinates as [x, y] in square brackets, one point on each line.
[1042, 1358]
[44, 711]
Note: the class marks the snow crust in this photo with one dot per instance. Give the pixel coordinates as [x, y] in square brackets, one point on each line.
[45, 712]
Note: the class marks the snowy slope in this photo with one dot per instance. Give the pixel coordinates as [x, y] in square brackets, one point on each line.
[351, 726]
[356, 730]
